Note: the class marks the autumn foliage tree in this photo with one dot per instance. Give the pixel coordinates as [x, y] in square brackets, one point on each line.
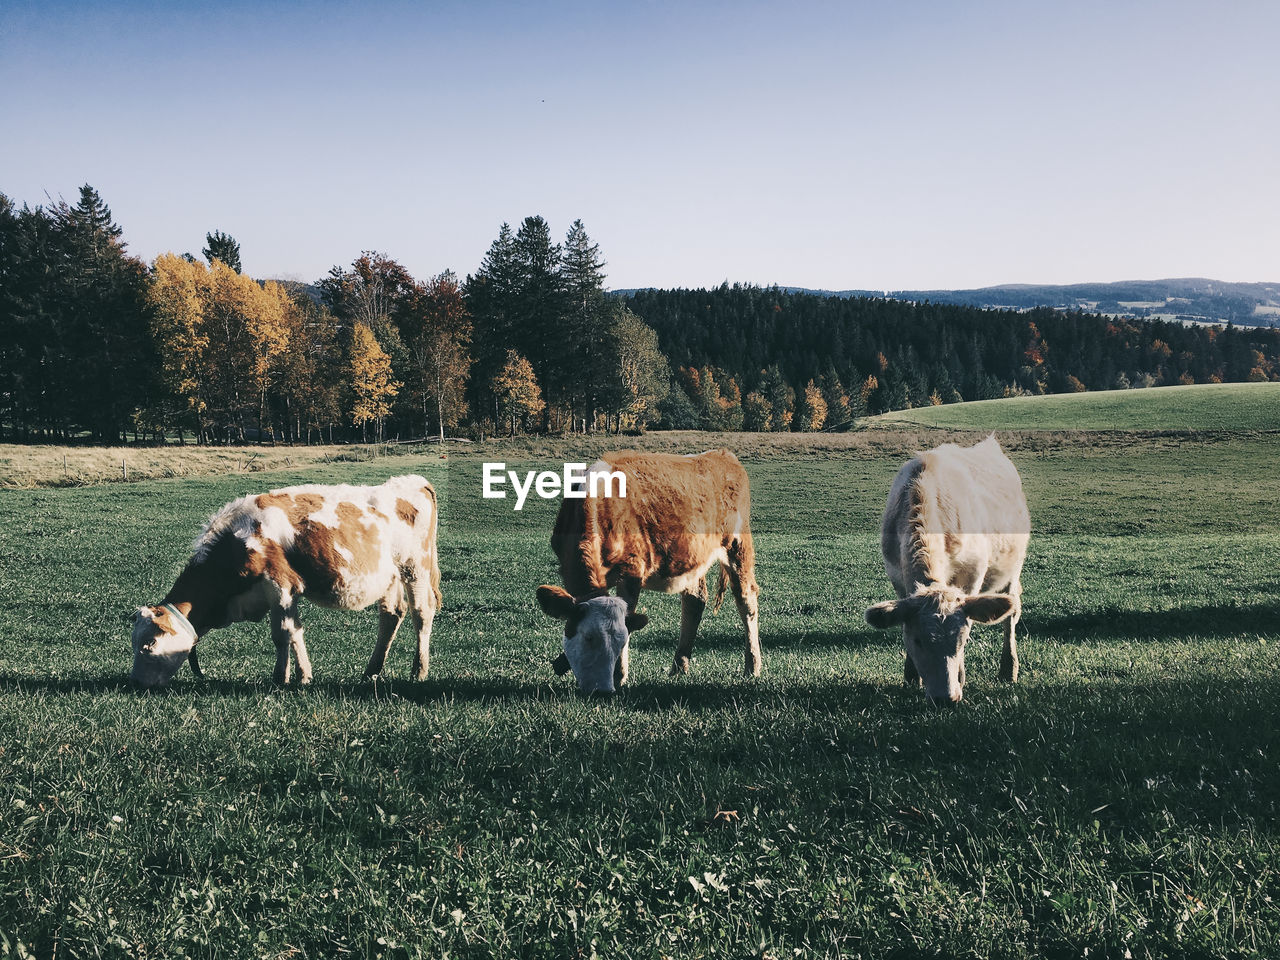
[372, 388]
[177, 295]
[815, 407]
[439, 341]
[516, 388]
[224, 336]
[640, 376]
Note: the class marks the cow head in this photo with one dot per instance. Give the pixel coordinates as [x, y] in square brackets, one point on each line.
[935, 627]
[162, 640]
[596, 632]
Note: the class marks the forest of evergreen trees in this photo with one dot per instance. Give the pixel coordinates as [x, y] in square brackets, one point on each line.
[889, 354]
[98, 346]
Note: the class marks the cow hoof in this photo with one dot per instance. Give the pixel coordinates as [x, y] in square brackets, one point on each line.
[420, 675]
[304, 681]
[679, 668]
[751, 669]
[1009, 676]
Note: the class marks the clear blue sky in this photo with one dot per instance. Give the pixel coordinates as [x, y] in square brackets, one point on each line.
[838, 145]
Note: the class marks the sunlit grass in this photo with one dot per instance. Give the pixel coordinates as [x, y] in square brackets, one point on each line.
[1225, 406]
[1123, 797]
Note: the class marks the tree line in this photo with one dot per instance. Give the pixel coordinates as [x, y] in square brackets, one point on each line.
[96, 344]
[762, 358]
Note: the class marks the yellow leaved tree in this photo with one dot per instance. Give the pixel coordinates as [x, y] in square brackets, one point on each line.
[176, 295]
[516, 388]
[371, 384]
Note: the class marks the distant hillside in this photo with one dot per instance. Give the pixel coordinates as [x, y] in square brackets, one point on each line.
[877, 354]
[1193, 300]
[1204, 406]
[309, 290]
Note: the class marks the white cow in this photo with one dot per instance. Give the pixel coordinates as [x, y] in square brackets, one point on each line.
[954, 537]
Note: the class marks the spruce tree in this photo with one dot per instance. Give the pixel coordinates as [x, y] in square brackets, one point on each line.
[585, 368]
[539, 309]
[222, 246]
[102, 356]
[490, 300]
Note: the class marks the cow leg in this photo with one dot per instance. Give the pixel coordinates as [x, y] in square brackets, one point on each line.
[1009, 657]
[391, 610]
[691, 606]
[423, 601]
[628, 590]
[286, 631]
[281, 638]
[622, 669]
[910, 675]
[742, 580]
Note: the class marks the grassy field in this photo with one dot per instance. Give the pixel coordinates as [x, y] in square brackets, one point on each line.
[48, 465]
[1223, 406]
[1121, 800]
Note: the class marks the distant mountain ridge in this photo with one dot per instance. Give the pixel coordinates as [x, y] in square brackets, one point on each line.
[1187, 299]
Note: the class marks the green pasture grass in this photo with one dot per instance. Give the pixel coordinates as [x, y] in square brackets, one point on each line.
[1210, 406]
[1122, 799]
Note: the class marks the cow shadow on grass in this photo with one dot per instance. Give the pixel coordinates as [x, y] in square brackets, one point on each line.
[381, 688]
[1216, 622]
[714, 689]
[857, 635]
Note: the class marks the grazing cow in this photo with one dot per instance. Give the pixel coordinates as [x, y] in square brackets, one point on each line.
[680, 515]
[954, 536]
[339, 546]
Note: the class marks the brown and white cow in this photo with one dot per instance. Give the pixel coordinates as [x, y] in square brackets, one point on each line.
[679, 515]
[339, 546]
[954, 537]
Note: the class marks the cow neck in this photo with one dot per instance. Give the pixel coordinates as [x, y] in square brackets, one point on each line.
[191, 595]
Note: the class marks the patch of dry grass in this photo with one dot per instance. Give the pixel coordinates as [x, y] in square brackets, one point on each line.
[39, 465]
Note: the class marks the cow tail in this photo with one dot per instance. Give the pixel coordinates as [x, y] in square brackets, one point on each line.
[724, 582]
[433, 570]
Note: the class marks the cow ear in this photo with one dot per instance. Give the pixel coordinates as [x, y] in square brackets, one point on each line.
[888, 614]
[636, 621]
[556, 602]
[560, 665]
[987, 607]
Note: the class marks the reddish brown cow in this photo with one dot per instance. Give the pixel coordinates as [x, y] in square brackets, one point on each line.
[679, 515]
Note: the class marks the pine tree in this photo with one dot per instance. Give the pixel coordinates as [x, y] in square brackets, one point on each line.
[222, 246]
[756, 412]
[490, 300]
[584, 369]
[101, 353]
[539, 308]
[839, 409]
[781, 398]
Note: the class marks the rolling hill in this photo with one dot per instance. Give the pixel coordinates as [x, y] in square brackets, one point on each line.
[1211, 406]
